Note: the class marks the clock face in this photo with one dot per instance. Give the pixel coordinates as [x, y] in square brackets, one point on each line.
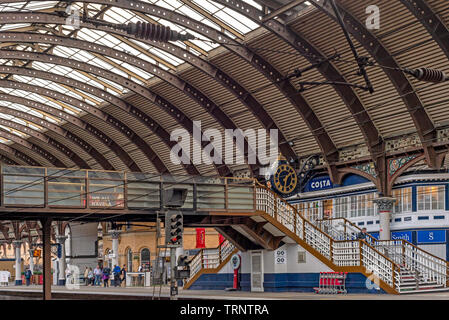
[284, 180]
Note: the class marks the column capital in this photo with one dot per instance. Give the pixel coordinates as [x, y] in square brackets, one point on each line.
[17, 242]
[385, 203]
[61, 239]
[114, 234]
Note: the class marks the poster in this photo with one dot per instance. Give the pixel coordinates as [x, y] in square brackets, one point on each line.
[200, 238]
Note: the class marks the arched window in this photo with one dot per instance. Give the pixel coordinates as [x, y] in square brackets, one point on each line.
[145, 259]
[129, 260]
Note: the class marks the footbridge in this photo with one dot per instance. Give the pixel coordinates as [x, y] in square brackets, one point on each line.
[247, 213]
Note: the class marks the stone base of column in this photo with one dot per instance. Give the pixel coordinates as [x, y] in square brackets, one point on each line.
[61, 282]
[18, 282]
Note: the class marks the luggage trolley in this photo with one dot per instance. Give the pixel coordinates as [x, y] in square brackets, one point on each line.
[332, 283]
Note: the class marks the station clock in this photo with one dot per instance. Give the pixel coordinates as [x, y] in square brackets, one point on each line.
[283, 179]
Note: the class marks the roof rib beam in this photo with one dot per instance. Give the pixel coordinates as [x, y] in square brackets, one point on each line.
[58, 130]
[329, 150]
[53, 160]
[138, 89]
[224, 79]
[354, 104]
[422, 121]
[103, 116]
[22, 157]
[105, 139]
[70, 155]
[431, 21]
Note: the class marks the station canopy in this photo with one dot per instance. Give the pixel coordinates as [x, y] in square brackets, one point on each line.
[77, 93]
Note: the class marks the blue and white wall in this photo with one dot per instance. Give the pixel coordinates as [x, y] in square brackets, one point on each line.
[291, 274]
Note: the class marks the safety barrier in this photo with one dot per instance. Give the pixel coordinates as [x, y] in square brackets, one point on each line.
[332, 283]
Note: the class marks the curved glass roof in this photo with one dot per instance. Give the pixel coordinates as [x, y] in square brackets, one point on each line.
[208, 12]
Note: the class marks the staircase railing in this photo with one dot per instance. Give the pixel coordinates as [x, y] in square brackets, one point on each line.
[343, 253]
[334, 240]
[422, 265]
[210, 258]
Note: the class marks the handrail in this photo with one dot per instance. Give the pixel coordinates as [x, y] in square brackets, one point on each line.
[417, 248]
[351, 224]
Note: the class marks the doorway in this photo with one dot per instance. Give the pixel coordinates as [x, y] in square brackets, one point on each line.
[257, 271]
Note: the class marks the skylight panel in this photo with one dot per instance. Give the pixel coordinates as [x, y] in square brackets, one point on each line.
[78, 76]
[40, 5]
[14, 26]
[187, 11]
[211, 24]
[137, 71]
[164, 4]
[241, 19]
[207, 5]
[35, 113]
[230, 21]
[254, 4]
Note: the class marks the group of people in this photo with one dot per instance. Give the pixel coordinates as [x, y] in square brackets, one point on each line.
[102, 275]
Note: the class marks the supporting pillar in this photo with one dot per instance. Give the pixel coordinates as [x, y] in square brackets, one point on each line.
[18, 257]
[385, 205]
[31, 260]
[114, 235]
[46, 235]
[62, 264]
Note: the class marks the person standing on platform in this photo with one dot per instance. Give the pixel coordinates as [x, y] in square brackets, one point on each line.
[106, 273]
[97, 275]
[68, 274]
[123, 275]
[90, 277]
[116, 272]
[86, 276]
[28, 275]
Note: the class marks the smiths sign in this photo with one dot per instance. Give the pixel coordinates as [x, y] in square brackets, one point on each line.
[319, 183]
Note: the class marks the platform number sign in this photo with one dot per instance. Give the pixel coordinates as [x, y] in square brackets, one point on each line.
[280, 256]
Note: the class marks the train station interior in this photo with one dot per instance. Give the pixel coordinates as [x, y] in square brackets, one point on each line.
[208, 149]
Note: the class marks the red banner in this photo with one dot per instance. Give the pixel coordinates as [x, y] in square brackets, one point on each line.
[201, 238]
[221, 239]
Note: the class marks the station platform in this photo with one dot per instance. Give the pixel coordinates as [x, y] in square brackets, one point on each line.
[111, 293]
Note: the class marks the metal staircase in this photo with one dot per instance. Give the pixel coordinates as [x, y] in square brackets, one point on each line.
[396, 266]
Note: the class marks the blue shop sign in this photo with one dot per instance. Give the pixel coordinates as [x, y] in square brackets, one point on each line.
[375, 235]
[402, 235]
[319, 183]
[398, 235]
[431, 236]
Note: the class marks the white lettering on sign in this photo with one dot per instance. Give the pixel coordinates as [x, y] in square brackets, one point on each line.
[430, 235]
[280, 256]
[320, 184]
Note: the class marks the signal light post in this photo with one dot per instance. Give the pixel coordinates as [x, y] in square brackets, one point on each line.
[173, 240]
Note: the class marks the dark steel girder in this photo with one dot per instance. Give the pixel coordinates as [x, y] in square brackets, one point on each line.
[205, 66]
[7, 160]
[50, 126]
[166, 76]
[18, 155]
[40, 135]
[95, 132]
[423, 123]
[431, 21]
[354, 104]
[329, 150]
[109, 119]
[157, 99]
[32, 147]
[114, 77]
